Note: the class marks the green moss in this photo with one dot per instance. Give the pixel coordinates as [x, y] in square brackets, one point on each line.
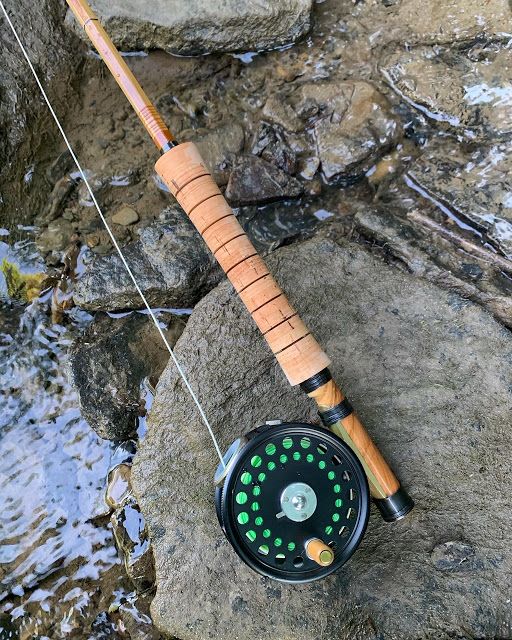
[21, 286]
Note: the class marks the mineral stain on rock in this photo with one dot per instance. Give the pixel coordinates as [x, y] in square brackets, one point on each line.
[455, 556]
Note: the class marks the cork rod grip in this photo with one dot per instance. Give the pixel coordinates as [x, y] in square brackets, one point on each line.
[296, 350]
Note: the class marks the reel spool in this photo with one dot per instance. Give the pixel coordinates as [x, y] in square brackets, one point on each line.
[293, 501]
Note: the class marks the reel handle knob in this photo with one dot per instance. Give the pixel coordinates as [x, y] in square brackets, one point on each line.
[318, 551]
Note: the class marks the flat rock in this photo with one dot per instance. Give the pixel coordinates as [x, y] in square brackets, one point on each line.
[467, 87]
[198, 26]
[474, 182]
[433, 22]
[429, 374]
[254, 180]
[169, 261]
[107, 365]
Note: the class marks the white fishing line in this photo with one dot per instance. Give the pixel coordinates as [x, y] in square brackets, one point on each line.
[114, 241]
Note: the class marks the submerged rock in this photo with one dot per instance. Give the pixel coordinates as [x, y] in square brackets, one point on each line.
[107, 365]
[125, 216]
[474, 183]
[353, 127]
[270, 143]
[170, 263]
[424, 368]
[56, 237]
[350, 123]
[198, 26]
[466, 87]
[219, 148]
[254, 180]
[130, 533]
[433, 22]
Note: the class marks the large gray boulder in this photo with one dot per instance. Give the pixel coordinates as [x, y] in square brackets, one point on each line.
[430, 375]
[199, 26]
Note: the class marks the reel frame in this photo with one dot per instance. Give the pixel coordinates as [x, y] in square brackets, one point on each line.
[344, 479]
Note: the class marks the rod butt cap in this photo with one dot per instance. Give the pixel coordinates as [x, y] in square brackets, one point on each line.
[396, 506]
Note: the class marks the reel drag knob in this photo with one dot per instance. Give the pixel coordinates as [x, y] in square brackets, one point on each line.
[293, 501]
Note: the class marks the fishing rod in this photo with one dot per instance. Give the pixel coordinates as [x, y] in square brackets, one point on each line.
[292, 498]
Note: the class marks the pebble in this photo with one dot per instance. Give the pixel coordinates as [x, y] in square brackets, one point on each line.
[125, 216]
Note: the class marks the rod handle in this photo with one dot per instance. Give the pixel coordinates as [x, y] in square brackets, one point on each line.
[185, 173]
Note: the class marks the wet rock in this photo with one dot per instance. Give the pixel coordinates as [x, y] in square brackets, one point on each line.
[254, 180]
[466, 87]
[61, 192]
[132, 541]
[108, 363]
[125, 216]
[118, 485]
[169, 261]
[56, 236]
[353, 127]
[474, 183]
[218, 147]
[21, 110]
[454, 556]
[398, 345]
[277, 110]
[433, 22]
[270, 143]
[349, 126]
[198, 27]
[431, 250]
[135, 618]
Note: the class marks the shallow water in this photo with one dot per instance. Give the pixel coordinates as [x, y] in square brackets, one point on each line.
[57, 546]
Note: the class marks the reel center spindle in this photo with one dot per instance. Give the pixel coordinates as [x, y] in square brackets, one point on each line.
[298, 501]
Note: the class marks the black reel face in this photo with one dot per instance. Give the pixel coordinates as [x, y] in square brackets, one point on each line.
[286, 487]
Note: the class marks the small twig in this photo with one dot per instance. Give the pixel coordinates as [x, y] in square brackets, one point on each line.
[468, 246]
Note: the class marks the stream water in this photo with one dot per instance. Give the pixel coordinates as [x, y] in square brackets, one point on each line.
[59, 566]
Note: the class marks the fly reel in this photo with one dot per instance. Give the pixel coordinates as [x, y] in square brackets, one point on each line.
[293, 501]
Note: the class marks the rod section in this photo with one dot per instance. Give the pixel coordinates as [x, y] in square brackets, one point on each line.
[142, 105]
